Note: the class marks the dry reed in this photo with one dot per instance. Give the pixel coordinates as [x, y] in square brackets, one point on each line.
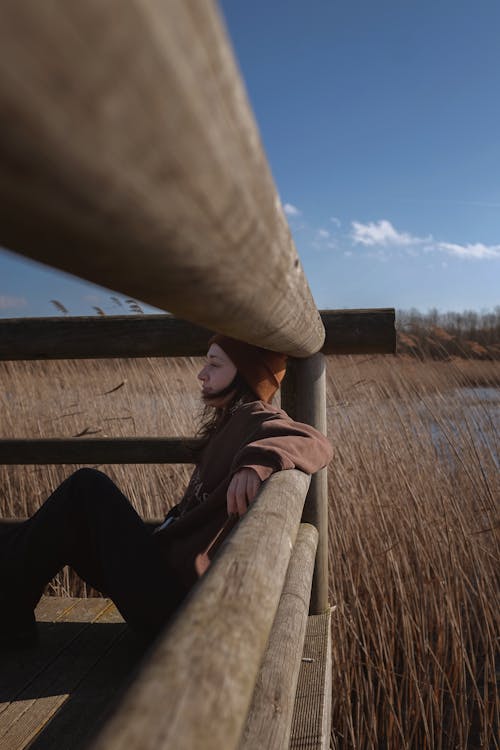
[413, 522]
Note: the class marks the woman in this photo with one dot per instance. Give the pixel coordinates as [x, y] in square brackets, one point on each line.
[89, 524]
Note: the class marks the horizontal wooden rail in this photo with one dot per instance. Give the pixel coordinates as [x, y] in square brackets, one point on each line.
[359, 331]
[196, 686]
[269, 720]
[347, 332]
[98, 451]
[130, 157]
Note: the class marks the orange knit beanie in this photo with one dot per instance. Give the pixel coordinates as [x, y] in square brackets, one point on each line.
[262, 369]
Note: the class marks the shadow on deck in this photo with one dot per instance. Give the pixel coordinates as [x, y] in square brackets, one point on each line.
[57, 694]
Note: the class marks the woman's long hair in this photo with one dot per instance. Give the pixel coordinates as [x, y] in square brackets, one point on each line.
[213, 418]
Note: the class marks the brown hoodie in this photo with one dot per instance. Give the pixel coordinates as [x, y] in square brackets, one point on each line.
[257, 435]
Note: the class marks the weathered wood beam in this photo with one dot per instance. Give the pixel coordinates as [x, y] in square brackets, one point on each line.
[269, 721]
[312, 715]
[98, 451]
[129, 156]
[347, 332]
[195, 688]
[101, 337]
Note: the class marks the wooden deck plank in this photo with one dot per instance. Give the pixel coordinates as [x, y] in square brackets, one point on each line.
[20, 667]
[73, 651]
[312, 712]
[51, 608]
[87, 610]
[92, 701]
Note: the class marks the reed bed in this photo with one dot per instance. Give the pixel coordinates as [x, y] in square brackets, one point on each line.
[413, 522]
[414, 554]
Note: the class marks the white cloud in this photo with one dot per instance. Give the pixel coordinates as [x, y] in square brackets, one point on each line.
[291, 210]
[335, 221]
[12, 303]
[323, 233]
[381, 233]
[476, 250]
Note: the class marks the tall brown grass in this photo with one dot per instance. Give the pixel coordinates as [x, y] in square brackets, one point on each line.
[413, 522]
[414, 554]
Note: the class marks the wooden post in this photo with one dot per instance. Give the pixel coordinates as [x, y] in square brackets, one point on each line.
[304, 398]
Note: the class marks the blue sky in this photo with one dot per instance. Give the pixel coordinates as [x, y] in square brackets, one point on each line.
[381, 123]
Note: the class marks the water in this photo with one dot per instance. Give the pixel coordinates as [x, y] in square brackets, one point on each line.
[475, 425]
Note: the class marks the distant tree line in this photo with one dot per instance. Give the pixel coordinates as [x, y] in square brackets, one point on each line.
[441, 335]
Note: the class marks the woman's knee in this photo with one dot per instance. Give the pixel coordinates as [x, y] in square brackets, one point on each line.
[87, 478]
[87, 473]
[91, 487]
[87, 486]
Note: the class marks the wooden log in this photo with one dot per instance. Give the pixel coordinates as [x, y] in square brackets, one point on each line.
[195, 688]
[269, 721]
[304, 398]
[98, 451]
[101, 337]
[129, 156]
[347, 332]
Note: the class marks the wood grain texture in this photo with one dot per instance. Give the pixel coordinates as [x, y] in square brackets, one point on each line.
[269, 720]
[18, 668]
[130, 157]
[195, 689]
[90, 701]
[347, 332]
[304, 398]
[97, 451]
[26, 712]
[57, 694]
[313, 703]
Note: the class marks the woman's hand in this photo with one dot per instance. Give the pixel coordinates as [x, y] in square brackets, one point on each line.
[242, 491]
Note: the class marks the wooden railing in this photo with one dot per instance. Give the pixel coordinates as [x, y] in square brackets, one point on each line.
[196, 688]
[303, 392]
[346, 332]
[130, 157]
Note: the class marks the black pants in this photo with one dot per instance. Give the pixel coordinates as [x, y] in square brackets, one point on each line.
[89, 524]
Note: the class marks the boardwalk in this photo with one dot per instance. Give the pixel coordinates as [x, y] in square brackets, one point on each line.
[56, 696]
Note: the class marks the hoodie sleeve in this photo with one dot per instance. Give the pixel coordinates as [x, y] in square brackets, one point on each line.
[280, 443]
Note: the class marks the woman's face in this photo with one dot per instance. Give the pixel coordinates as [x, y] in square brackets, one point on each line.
[216, 375]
